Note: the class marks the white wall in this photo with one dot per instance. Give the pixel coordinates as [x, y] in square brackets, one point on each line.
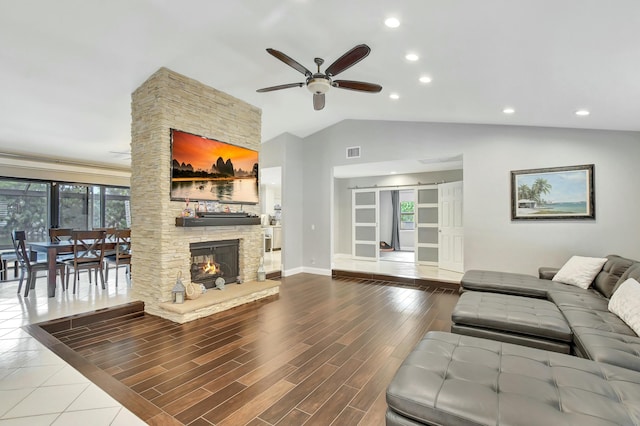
[490, 152]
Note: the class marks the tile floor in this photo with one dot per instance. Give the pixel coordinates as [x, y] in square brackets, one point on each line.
[396, 268]
[36, 386]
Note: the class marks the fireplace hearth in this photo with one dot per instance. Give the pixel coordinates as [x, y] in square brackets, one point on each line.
[211, 260]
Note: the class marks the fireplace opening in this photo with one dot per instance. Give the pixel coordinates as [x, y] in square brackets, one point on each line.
[213, 259]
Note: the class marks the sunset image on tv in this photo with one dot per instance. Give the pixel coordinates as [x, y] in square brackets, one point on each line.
[210, 170]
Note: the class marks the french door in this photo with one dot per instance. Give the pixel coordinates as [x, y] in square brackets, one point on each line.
[450, 227]
[365, 233]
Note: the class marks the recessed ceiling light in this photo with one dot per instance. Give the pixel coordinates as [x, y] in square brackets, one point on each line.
[508, 110]
[394, 96]
[392, 22]
[392, 173]
[582, 112]
[411, 57]
[425, 79]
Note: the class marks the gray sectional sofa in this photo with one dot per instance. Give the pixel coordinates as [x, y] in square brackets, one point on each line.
[478, 376]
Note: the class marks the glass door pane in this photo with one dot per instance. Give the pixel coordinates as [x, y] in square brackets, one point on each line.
[115, 205]
[74, 206]
[24, 205]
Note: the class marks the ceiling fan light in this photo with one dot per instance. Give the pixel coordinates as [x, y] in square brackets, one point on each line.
[318, 85]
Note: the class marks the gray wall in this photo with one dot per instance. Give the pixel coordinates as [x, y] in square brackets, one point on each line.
[490, 152]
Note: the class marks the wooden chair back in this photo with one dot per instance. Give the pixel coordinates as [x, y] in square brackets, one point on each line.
[123, 246]
[110, 232]
[88, 246]
[59, 234]
[19, 240]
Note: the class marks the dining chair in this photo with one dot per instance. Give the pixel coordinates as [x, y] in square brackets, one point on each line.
[122, 256]
[110, 235]
[57, 235]
[88, 254]
[27, 264]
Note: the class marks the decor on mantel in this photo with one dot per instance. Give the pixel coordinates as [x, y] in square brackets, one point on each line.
[553, 193]
[179, 290]
[193, 291]
[220, 282]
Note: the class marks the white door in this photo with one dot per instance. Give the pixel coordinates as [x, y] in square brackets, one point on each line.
[450, 229]
[426, 215]
[365, 224]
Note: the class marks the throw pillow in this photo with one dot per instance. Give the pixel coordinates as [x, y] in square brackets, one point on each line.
[580, 271]
[625, 303]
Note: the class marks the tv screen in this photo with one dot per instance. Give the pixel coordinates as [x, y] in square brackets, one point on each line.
[205, 169]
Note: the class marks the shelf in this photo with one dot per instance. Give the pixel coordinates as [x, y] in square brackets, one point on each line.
[217, 221]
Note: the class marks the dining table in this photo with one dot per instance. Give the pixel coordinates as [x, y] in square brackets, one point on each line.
[53, 249]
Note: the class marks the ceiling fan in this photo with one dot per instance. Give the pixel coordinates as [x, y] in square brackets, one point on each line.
[319, 83]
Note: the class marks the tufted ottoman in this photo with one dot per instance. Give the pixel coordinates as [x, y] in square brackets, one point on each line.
[450, 379]
[513, 319]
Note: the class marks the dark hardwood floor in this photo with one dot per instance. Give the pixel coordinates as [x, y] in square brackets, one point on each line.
[321, 352]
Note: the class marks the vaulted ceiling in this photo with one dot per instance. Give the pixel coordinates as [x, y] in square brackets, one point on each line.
[68, 67]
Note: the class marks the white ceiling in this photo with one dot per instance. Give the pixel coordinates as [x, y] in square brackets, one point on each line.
[68, 67]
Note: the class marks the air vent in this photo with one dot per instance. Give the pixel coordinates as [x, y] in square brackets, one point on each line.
[353, 152]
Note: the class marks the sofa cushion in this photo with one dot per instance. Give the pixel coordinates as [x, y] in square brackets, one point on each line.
[625, 303]
[611, 273]
[632, 272]
[461, 380]
[580, 271]
[589, 299]
[604, 346]
[515, 314]
[596, 320]
[511, 283]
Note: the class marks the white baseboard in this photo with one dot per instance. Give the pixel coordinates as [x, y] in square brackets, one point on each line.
[307, 270]
[294, 271]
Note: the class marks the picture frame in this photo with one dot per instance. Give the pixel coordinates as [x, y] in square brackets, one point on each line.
[553, 193]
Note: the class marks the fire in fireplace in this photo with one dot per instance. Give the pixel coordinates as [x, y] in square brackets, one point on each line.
[213, 259]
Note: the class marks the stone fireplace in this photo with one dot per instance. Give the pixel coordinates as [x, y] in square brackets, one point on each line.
[160, 248]
[211, 260]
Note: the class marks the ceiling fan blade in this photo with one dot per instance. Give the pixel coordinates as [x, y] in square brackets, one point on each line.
[349, 59]
[287, 60]
[318, 101]
[282, 86]
[360, 86]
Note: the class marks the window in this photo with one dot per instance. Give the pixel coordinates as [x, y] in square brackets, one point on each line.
[24, 205]
[73, 206]
[407, 215]
[116, 206]
[35, 206]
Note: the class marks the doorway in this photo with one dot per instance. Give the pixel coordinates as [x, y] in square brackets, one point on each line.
[271, 213]
[397, 225]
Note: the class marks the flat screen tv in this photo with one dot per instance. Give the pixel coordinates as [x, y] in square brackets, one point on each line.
[204, 169]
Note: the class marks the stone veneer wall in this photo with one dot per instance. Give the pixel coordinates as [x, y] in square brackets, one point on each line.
[160, 249]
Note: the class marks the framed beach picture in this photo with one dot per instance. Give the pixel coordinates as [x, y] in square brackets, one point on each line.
[553, 193]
